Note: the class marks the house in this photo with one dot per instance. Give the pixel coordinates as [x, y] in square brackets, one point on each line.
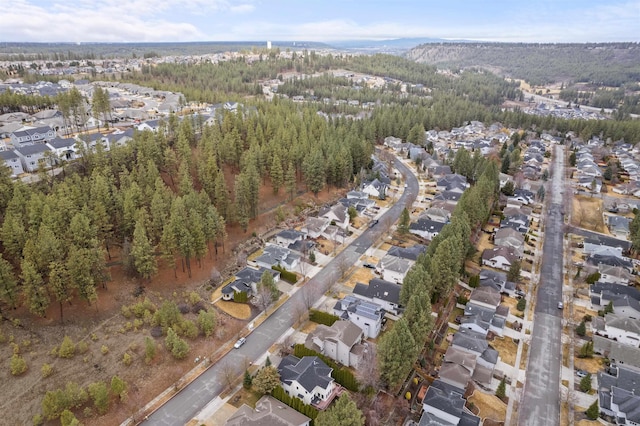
[342, 342]
[307, 378]
[366, 315]
[614, 274]
[453, 182]
[286, 237]
[314, 227]
[409, 253]
[337, 215]
[426, 228]
[452, 196]
[375, 188]
[444, 404]
[151, 125]
[510, 238]
[483, 320]
[32, 155]
[34, 135]
[486, 297]
[519, 222]
[602, 293]
[64, 148]
[496, 280]
[475, 343]
[619, 226]
[273, 255]
[622, 329]
[454, 375]
[92, 140]
[436, 214]
[268, 411]
[12, 161]
[601, 249]
[394, 268]
[381, 292]
[246, 281]
[616, 352]
[597, 260]
[120, 138]
[617, 394]
[499, 257]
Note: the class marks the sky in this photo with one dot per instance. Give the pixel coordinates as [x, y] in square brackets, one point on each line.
[318, 20]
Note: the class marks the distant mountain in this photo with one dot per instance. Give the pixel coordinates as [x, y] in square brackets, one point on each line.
[389, 44]
[602, 64]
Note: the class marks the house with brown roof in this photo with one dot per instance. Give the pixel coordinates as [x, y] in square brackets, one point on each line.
[268, 411]
[342, 342]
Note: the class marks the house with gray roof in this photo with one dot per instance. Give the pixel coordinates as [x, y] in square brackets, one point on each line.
[342, 342]
[426, 228]
[436, 214]
[314, 227]
[394, 268]
[602, 293]
[509, 237]
[618, 394]
[616, 352]
[499, 257]
[476, 343]
[445, 404]
[622, 329]
[375, 189]
[31, 136]
[619, 226]
[409, 253]
[32, 155]
[497, 280]
[268, 411]
[286, 237]
[382, 292]
[597, 260]
[601, 249]
[307, 378]
[615, 274]
[12, 161]
[64, 148]
[451, 196]
[246, 281]
[336, 214]
[366, 315]
[273, 255]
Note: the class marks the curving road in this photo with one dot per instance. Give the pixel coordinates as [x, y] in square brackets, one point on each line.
[540, 403]
[192, 399]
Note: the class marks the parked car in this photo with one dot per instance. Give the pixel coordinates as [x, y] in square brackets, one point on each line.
[560, 305]
[369, 265]
[241, 341]
[373, 223]
[520, 293]
[581, 373]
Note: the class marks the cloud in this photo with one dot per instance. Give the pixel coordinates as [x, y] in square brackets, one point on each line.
[242, 8]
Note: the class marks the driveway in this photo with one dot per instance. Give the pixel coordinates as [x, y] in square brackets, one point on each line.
[193, 398]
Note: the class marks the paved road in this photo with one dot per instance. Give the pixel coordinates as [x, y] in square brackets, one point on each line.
[192, 399]
[540, 403]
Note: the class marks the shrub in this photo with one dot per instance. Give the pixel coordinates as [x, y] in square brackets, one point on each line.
[587, 318]
[127, 359]
[67, 348]
[118, 387]
[288, 276]
[240, 297]
[321, 317]
[94, 337]
[593, 412]
[149, 350]
[104, 349]
[585, 383]
[522, 304]
[189, 329]
[46, 370]
[247, 380]
[592, 278]
[462, 300]
[502, 388]
[194, 298]
[18, 365]
[100, 395]
[581, 329]
[82, 347]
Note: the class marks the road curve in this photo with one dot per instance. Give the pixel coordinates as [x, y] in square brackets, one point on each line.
[192, 398]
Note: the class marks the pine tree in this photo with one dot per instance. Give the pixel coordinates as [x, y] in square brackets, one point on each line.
[290, 180]
[8, 283]
[396, 353]
[585, 383]
[593, 412]
[581, 329]
[502, 389]
[403, 224]
[142, 251]
[277, 174]
[344, 412]
[247, 380]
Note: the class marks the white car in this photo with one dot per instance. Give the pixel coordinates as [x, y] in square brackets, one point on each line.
[560, 305]
[241, 341]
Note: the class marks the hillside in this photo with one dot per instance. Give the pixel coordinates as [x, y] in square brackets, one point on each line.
[610, 64]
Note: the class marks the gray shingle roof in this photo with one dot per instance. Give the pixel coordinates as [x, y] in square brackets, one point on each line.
[381, 289]
[309, 371]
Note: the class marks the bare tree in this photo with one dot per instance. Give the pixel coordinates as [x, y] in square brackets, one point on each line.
[229, 374]
[215, 277]
[299, 312]
[343, 266]
[308, 297]
[368, 373]
[263, 298]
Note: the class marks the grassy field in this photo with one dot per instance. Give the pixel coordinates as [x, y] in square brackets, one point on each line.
[491, 407]
[236, 310]
[507, 349]
[587, 214]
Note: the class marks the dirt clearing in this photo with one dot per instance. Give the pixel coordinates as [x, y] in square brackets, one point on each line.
[587, 214]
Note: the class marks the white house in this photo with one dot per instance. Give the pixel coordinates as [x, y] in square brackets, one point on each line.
[32, 155]
[286, 237]
[342, 342]
[375, 189]
[314, 227]
[499, 258]
[337, 214]
[382, 292]
[12, 161]
[622, 329]
[273, 255]
[64, 148]
[307, 378]
[426, 228]
[366, 315]
[394, 268]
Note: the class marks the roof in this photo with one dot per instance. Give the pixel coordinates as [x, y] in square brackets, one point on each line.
[597, 259]
[268, 412]
[426, 225]
[451, 372]
[8, 155]
[395, 264]
[341, 330]
[410, 253]
[290, 234]
[610, 291]
[58, 142]
[253, 275]
[460, 357]
[623, 323]
[37, 148]
[505, 252]
[361, 307]
[380, 289]
[507, 232]
[449, 399]
[309, 371]
[486, 295]
[470, 340]
[617, 351]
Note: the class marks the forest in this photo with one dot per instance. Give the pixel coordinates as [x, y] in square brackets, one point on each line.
[604, 64]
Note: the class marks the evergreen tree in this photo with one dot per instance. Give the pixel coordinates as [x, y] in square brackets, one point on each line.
[396, 353]
[344, 412]
[593, 412]
[403, 224]
[314, 171]
[8, 283]
[290, 180]
[142, 251]
[277, 174]
[502, 388]
[581, 329]
[266, 380]
[585, 383]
